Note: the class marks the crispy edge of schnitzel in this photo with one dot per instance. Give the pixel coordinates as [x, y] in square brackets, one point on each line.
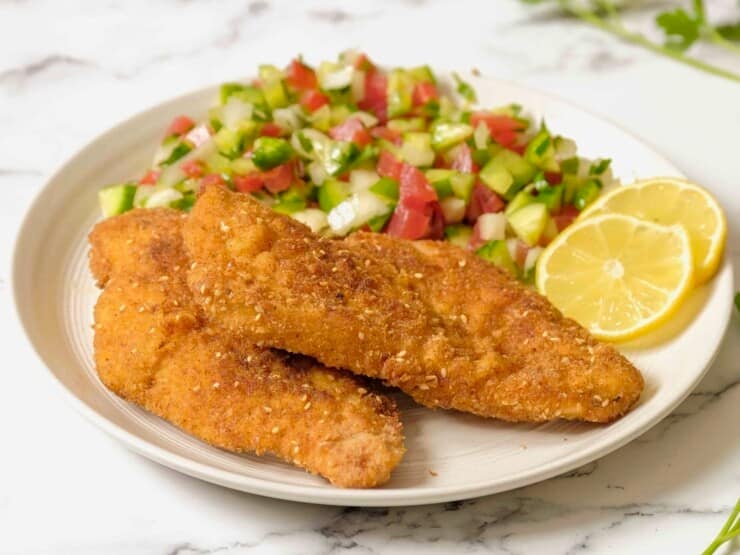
[154, 347]
[444, 326]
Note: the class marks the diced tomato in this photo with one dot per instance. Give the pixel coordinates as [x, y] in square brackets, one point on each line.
[180, 125]
[518, 148]
[424, 92]
[313, 100]
[363, 63]
[436, 229]
[483, 201]
[211, 179]
[351, 129]
[409, 223]
[248, 183]
[414, 189]
[565, 217]
[376, 96]
[300, 76]
[463, 160]
[475, 241]
[503, 128]
[278, 178]
[389, 165]
[390, 135]
[271, 129]
[440, 163]
[192, 168]
[554, 178]
[150, 177]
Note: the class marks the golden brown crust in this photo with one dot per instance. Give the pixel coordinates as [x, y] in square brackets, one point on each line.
[154, 347]
[439, 323]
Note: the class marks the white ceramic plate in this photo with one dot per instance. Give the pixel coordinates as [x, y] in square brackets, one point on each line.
[450, 456]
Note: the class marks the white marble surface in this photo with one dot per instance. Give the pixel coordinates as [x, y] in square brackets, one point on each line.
[69, 70]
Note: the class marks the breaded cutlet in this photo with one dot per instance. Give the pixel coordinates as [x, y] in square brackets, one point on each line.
[443, 325]
[154, 347]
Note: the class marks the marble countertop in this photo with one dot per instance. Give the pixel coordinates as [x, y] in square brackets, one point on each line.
[69, 70]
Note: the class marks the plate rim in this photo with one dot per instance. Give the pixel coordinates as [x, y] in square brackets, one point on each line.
[378, 497]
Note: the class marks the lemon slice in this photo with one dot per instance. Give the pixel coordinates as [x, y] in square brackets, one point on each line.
[669, 201]
[616, 275]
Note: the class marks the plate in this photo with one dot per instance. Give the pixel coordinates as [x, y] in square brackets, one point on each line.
[451, 456]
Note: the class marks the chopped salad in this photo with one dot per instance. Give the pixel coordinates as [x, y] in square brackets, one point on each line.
[348, 146]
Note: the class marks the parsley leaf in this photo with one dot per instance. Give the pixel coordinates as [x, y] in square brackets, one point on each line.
[681, 30]
[730, 31]
[465, 89]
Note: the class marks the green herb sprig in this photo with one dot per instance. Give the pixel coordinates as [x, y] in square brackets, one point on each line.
[681, 29]
[730, 530]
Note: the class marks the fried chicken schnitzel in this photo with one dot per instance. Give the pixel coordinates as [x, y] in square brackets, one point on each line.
[154, 347]
[446, 327]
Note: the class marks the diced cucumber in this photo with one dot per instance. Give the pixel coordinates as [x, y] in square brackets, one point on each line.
[459, 234]
[230, 142]
[506, 173]
[541, 151]
[462, 185]
[447, 134]
[377, 223]
[587, 193]
[217, 163]
[331, 193]
[269, 72]
[440, 180]
[290, 201]
[116, 199]
[228, 89]
[242, 166]
[495, 176]
[570, 165]
[491, 226]
[422, 74]
[321, 118]
[497, 253]
[275, 94]
[552, 197]
[171, 150]
[387, 189]
[417, 149]
[529, 222]
[521, 170]
[339, 114]
[400, 88]
[571, 183]
[270, 152]
[185, 204]
[403, 125]
[453, 209]
[235, 111]
[255, 97]
[520, 200]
